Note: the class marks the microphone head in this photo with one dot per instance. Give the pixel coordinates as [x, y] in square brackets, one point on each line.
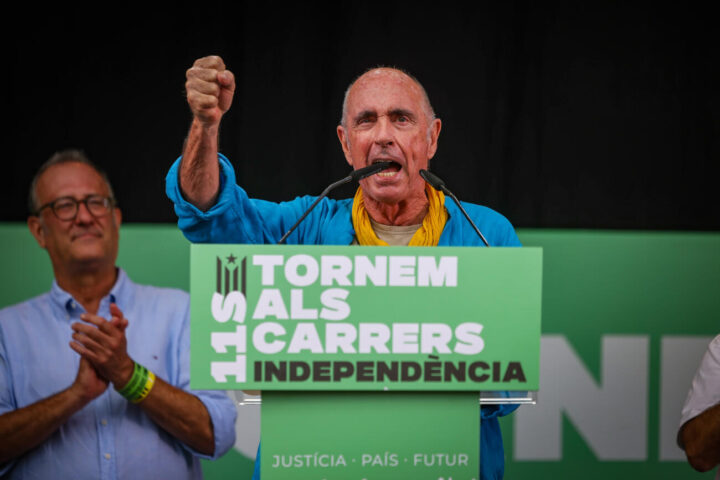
[434, 181]
[364, 172]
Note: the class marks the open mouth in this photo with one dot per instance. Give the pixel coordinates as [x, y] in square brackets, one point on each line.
[392, 170]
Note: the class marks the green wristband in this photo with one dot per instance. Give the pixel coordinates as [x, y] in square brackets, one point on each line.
[134, 379]
[145, 390]
[138, 382]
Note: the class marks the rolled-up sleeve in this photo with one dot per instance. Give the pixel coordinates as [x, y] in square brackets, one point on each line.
[235, 218]
[7, 403]
[219, 406]
[223, 415]
[197, 225]
[705, 389]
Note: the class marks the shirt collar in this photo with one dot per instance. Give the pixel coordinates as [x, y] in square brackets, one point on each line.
[118, 293]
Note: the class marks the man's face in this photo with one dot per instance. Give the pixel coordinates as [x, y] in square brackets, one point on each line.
[387, 118]
[86, 240]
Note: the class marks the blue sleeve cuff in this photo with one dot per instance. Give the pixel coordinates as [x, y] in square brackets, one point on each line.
[222, 415]
[221, 222]
[495, 411]
[183, 208]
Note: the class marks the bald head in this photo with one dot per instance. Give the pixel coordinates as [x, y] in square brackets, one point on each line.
[390, 74]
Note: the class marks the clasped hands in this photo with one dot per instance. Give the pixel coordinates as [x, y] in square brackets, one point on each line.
[104, 345]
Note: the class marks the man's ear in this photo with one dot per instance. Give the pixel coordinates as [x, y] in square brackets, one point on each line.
[433, 134]
[344, 143]
[36, 228]
[117, 216]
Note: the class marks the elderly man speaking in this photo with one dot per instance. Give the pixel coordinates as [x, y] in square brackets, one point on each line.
[386, 116]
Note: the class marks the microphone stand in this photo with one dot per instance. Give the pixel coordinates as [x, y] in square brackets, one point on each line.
[437, 183]
[356, 175]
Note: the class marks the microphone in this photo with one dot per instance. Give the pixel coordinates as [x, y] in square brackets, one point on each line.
[438, 184]
[365, 172]
[355, 175]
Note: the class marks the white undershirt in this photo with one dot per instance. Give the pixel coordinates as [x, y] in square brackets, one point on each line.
[394, 235]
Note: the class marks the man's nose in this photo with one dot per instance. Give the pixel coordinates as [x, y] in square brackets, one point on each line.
[384, 135]
[83, 214]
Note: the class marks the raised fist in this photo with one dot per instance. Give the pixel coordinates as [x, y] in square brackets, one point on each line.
[210, 89]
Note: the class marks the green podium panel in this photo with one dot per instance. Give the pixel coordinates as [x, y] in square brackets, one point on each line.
[370, 435]
[365, 318]
[370, 358]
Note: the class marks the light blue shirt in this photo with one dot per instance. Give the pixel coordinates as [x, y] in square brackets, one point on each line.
[110, 438]
[236, 218]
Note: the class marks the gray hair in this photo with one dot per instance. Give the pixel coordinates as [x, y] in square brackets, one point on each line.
[59, 158]
[429, 112]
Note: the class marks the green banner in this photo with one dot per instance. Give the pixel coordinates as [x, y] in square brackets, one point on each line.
[610, 299]
[370, 435]
[365, 318]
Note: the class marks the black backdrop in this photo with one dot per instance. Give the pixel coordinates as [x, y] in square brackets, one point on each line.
[578, 114]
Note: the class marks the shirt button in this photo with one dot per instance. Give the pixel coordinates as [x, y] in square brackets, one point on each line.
[103, 421]
[107, 456]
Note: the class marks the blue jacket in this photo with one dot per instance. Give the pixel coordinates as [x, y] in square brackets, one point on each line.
[236, 218]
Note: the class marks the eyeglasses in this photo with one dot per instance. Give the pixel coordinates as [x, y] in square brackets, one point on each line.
[66, 208]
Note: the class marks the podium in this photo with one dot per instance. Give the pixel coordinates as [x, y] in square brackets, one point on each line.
[370, 359]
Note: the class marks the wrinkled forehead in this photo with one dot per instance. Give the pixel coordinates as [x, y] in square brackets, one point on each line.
[71, 179]
[387, 76]
[385, 88]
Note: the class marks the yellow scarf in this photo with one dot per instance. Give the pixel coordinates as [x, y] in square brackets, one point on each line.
[428, 234]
